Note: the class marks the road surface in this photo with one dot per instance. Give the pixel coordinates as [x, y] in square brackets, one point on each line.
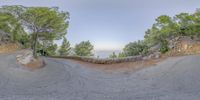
[176, 78]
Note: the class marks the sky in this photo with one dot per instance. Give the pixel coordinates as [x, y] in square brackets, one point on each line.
[111, 24]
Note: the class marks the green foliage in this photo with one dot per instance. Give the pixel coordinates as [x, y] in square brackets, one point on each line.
[11, 23]
[48, 23]
[47, 48]
[11, 26]
[166, 28]
[51, 49]
[121, 55]
[65, 48]
[45, 24]
[135, 48]
[83, 49]
[164, 47]
[185, 24]
[25, 41]
[41, 23]
[113, 55]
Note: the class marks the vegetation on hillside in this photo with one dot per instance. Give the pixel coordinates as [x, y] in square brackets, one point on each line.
[163, 30]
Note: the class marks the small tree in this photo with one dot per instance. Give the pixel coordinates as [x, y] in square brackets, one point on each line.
[83, 49]
[113, 55]
[65, 48]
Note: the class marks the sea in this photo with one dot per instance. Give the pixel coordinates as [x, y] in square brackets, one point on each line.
[105, 53]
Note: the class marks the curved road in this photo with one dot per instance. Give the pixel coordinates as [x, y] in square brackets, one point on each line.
[173, 79]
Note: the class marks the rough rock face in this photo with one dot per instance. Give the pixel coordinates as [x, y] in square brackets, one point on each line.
[28, 61]
[155, 48]
[154, 55]
[26, 57]
[184, 45]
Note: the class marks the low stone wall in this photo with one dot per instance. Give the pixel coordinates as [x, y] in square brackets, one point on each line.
[102, 61]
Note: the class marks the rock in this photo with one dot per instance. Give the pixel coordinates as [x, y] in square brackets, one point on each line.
[157, 55]
[145, 58]
[177, 38]
[28, 61]
[155, 48]
[26, 57]
[153, 55]
[171, 44]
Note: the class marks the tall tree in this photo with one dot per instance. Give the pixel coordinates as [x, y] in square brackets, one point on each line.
[83, 49]
[162, 30]
[65, 48]
[45, 24]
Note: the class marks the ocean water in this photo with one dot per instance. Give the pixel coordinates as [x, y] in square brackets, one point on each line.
[105, 53]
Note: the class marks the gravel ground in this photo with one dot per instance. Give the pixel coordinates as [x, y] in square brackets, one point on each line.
[176, 78]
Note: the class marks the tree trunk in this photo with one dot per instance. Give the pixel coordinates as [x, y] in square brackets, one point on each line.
[35, 45]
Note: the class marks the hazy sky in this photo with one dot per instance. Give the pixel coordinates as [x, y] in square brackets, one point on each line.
[110, 24]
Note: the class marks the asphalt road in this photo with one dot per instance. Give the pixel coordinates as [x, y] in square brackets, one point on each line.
[173, 79]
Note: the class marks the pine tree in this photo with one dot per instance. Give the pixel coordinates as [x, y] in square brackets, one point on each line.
[65, 48]
[84, 48]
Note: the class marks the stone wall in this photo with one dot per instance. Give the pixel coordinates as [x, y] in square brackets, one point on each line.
[102, 61]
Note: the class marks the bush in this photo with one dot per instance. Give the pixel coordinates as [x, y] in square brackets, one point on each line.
[164, 47]
[135, 48]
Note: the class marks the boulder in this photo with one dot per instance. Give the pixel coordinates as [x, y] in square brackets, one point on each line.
[157, 55]
[26, 57]
[28, 61]
[155, 48]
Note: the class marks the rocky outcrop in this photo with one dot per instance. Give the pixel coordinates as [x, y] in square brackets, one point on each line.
[184, 45]
[26, 57]
[28, 61]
